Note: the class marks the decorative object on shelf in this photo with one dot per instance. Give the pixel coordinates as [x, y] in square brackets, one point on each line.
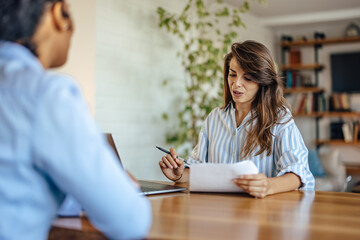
[307, 80]
[319, 35]
[304, 38]
[286, 38]
[352, 30]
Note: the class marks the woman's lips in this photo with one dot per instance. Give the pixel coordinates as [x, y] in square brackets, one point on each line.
[237, 94]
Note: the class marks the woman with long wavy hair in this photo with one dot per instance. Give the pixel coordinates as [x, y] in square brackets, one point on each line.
[255, 124]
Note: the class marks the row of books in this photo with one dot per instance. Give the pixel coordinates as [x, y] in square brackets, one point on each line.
[309, 103]
[294, 79]
[350, 131]
[347, 130]
[339, 102]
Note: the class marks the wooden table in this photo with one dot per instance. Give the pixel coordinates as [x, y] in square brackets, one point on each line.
[292, 215]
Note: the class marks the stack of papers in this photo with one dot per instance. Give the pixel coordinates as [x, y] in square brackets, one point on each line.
[212, 177]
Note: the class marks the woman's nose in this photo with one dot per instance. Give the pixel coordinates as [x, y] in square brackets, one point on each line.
[239, 81]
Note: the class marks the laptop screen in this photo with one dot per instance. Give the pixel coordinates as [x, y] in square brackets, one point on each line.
[147, 188]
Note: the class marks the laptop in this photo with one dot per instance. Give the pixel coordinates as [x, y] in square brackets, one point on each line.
[147, 187]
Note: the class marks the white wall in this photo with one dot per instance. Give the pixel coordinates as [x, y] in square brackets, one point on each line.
[133, 58]
[81, 59]
[331, 29]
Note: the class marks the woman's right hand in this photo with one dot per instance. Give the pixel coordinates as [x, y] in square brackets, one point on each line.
[171, 166]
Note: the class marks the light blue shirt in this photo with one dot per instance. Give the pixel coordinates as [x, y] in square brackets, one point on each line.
[50, 146]
[221, 141]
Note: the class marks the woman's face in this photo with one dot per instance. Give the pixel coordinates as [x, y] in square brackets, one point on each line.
[241, 86]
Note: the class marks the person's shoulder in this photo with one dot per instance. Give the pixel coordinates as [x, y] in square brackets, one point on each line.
[286, 119]
[54, 85]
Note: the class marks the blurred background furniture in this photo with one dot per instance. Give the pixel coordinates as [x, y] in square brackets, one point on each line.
[329, 171]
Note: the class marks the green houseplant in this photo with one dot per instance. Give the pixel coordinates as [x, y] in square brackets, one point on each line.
[206, 30]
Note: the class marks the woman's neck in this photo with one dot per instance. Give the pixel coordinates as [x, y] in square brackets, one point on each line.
[240, 112]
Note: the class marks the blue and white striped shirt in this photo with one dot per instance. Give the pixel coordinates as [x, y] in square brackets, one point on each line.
[221, 141]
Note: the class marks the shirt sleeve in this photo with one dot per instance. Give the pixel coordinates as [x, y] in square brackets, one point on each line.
[72, 152]
[291, 155]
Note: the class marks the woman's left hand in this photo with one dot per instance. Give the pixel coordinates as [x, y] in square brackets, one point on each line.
[257, 185]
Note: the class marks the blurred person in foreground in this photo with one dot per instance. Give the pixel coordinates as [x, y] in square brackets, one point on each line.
[50, 145]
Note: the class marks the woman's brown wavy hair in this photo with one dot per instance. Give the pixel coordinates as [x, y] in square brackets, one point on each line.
[269, 105]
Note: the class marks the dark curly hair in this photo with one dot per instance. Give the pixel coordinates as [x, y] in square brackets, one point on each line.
[19, 20]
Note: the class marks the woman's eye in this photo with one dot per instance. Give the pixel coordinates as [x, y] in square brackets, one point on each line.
[247, 79]
[232, 75]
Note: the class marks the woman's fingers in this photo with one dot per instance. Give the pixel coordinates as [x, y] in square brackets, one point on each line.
[262, 183]
[254, 184]
[258, 194]
[253, 188]
[173, 153]
[171, 160]
[166, 162]
[258, 176]
[162, 164]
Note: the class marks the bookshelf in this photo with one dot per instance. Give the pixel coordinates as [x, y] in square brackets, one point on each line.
[303, 90]
[329, 114]
[313, 42]
[313, 91]
[336, 142]
[314, 66]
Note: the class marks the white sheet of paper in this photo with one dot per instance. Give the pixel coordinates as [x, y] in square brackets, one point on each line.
[213, 177]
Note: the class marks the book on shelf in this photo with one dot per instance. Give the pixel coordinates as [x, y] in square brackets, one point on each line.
[346, 128]
[322, 101]
[288, 79]
[296, 79]
[295, 57]
[308, 103]
[297, 102]
[356, 130]
[339, 102]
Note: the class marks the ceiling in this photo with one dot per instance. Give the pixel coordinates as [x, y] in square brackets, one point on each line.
[287, 12]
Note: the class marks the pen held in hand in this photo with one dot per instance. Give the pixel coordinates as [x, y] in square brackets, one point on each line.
[166, 151]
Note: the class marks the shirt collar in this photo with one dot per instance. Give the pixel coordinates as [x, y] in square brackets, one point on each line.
[229, 106]
[11, 50]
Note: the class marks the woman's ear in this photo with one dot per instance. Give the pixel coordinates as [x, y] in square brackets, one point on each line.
[61, 17]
